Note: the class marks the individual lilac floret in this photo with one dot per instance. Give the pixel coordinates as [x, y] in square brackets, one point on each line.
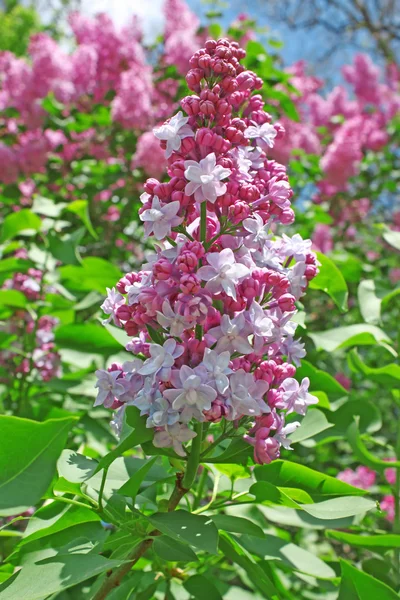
[111, 303]
[174, 436]
[232, 335]
[162, 359]
[296, 397]
[190, 395]
[217, 365]
[161, 413]
[173, 132]
[246, 394]
[264, 134]
[262, 324]
[205, 178]
[176, 322]
[259, 232]
[109, 387]
[222, 272]
[159, 219]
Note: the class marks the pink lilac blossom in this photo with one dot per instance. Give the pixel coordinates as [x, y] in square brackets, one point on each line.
[336, 127]
[105, 64]
[364, 478]
[218, 295]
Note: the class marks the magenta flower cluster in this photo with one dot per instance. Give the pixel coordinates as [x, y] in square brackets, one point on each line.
[211, 312]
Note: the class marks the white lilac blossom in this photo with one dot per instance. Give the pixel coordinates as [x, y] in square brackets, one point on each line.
[209, 316]
[262, 325]
[282, 434]
[222, 273]
[295, 397]
[190, 395]
[176, 322]
[159, 219]
[294, 350]
[161, 413]
[217, 366]
[264, 134]
[205, 179]
[111, 303]
[109, 387]
[161, 360]
[295, 246]
[173, 132]
[173, 436]
[259, 232]
[246, 395]
[232, 335]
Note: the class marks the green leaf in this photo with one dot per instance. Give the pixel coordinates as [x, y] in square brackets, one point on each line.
[8, 265]
[48, 576]
[392, 238]
[365, 411]
[131, 487]
[320, 380]
[196, 530]
[238, 451]
[28, 454]
[118, 334]
[313, 423]
[375, 543]
[81, 209]
[75, 467]
[331, 281]
[388, 376]
[349, 265]
[201, 588]
[290, 517]
[234, 552]
[339, 508]
[233, 471]
[352, 335]
[56, 517]
[363, 455]
[13, 298]
[369, 302]
[365, 586]
[318, 485]
[137, 433]
[274, 548]
[93, 274]
[23, 222]
[265, 492]
[171, 550]
[65, 247]
[87, 337]
[237, 525]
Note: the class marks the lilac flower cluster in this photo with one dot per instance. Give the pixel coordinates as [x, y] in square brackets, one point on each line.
[41, 355]
[211, 313]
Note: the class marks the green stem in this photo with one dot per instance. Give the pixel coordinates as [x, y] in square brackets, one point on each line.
[70, 501]
[115, 578]
[200, 489]
[203, 221]
[194, 458]
[211, 447]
